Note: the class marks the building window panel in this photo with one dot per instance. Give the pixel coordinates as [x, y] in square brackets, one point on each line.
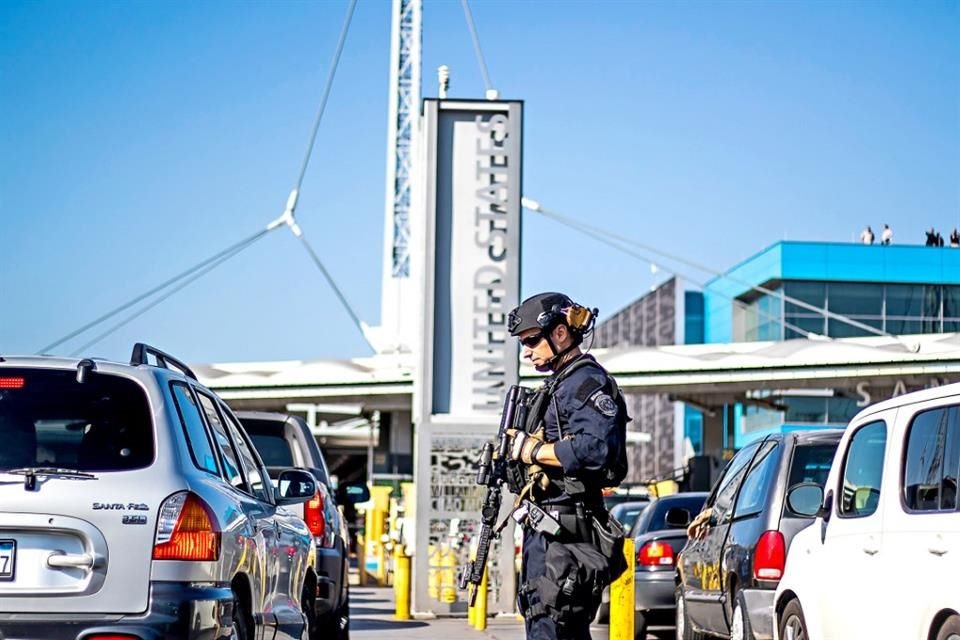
[903, 326]
[813, 293]
[841, 329]
[855, 298]
[812, 324]
[951, 301]
[903, 300]
[803, 409]
[841, 410]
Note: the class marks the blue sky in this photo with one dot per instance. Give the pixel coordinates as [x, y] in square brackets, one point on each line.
[138, 138]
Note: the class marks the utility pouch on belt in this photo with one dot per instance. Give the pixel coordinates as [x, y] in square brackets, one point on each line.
[608, 535]
[571, 587]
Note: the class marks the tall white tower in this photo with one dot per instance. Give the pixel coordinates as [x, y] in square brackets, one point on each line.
[398, 321]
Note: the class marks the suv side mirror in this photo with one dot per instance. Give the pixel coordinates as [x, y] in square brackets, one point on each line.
[805, 499]
[677, 518]
[295, 486]
[352, 493]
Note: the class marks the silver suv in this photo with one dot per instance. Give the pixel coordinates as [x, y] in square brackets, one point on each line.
[133, 505]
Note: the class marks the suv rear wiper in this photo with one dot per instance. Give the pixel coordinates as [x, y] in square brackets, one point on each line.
[31, 473]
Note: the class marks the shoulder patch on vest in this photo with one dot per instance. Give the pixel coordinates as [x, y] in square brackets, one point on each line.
[604, 404]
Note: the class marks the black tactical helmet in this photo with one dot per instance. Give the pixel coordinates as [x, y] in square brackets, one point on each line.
[542, 311]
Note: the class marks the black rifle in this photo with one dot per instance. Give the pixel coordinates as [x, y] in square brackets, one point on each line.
[495, 471]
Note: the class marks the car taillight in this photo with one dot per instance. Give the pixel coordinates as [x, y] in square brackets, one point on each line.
[769, 556]
[185, 530]
[313, 515]
[12, 382]
[655, 554]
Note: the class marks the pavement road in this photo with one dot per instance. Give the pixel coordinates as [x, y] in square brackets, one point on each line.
[371, 618]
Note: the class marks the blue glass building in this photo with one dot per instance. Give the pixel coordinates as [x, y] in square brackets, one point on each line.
[776, 295]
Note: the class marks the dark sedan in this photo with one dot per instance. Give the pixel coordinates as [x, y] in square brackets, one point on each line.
[658, 536]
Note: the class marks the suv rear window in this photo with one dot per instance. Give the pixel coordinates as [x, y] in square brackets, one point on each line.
[811, 463]
[48, 419]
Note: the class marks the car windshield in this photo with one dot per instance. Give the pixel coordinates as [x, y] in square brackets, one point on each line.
[627, 513]
[48, 419]
[811, 463]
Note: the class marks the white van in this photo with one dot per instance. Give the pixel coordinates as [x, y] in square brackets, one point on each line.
[882, 558]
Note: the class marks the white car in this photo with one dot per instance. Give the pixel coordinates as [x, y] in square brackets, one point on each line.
[882, 558]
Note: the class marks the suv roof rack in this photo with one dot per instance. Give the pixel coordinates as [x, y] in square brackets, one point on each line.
[142, 352]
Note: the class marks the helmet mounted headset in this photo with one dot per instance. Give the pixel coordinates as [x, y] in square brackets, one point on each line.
[545, 312]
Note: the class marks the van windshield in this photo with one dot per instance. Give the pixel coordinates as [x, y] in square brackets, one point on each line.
[48, 419]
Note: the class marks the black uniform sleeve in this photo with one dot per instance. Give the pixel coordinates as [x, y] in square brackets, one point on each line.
[588, 417]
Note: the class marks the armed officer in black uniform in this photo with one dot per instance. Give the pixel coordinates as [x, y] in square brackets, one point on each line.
[575, 446]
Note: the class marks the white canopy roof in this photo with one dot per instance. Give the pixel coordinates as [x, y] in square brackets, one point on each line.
[703, 373]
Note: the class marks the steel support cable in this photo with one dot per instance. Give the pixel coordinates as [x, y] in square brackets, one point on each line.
[160, 287]
[611, 241]
[210, 266]
[536, 207]
[214, 261]
[326, 93]
[333, 285]
[478, 52]
[288, 216]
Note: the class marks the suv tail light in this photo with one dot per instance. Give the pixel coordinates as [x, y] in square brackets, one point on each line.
[185, 530]
[769, 556]
[655, 554]
[313, 516]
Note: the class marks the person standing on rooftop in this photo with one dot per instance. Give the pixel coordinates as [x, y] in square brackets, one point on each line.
[886, 236]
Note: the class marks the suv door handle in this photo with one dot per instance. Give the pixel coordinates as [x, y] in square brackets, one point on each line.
[937, 547]
[59, 559]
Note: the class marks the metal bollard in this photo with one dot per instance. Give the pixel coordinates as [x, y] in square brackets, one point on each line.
[472, 609]
[480, 608]
[362, 559]
[622, 598]
[401, 585]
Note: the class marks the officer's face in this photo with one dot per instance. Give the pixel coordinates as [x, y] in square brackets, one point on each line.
[538, 352]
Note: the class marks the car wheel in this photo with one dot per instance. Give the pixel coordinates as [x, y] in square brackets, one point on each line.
[684, 630]
[950, 630]
[343, 619]
[639, 626]
[792, 624]
[308, 604]
[740, 625]
[240, 625]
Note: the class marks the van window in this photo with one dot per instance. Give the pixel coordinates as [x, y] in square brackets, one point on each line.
[863, 471]
[753, 492]
[48, 419]
[726, 489]
[932, 461]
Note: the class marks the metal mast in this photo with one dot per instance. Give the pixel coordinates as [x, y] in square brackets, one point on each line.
[403, 111]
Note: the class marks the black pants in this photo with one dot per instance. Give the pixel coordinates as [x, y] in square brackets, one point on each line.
[544, 627]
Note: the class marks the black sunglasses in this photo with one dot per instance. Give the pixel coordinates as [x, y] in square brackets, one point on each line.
[532, 341]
